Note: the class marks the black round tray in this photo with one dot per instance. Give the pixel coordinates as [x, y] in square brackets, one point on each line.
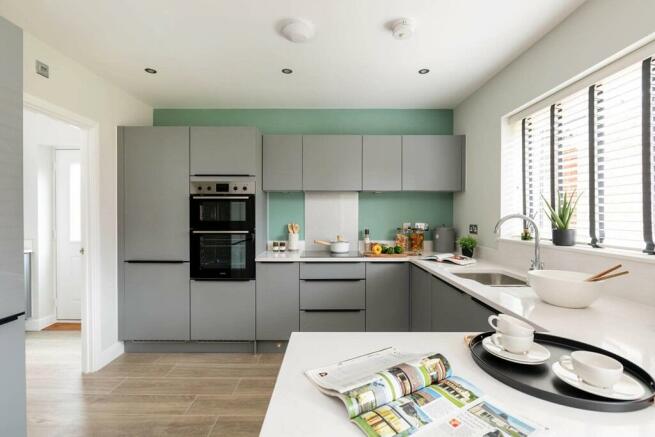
[540, 381]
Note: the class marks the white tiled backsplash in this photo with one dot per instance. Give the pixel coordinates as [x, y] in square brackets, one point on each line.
[328, 214]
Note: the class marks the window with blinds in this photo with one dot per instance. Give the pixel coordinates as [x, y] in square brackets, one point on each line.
[598, 142]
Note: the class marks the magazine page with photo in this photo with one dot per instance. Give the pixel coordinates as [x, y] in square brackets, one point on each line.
[419, 394]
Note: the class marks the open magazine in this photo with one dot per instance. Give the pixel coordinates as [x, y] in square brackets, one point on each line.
[460, 260]
[388, 393]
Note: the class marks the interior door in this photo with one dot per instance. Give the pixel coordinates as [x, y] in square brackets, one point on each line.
[68, 210]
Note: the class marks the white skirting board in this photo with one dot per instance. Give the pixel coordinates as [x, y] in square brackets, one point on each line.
[39, 324]
[107, 356]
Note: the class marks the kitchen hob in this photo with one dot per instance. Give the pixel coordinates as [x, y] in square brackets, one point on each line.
[328, 254]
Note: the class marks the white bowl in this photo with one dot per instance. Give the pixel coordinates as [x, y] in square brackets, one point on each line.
[564, 288]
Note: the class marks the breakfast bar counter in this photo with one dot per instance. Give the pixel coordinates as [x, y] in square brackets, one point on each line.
[298, 408]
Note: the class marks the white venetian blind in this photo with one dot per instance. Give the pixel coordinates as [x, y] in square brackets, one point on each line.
[537, 167]
[572, 157]
[511, 176]
[618, 143]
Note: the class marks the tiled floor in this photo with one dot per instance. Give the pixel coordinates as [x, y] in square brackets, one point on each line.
[145, 394]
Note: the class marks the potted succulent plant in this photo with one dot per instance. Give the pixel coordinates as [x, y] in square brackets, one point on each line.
[467, 243]
[560, 218]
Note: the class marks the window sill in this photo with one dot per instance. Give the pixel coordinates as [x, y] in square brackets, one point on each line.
[606, 252]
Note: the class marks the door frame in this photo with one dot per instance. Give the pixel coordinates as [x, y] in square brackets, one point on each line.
[89, 160]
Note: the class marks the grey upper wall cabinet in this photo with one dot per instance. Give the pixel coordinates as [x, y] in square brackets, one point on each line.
[156, 302]
[387, 296]
[224, 151]
[282, 163]
[278, 300]
[155, 192]
[433, 162]
[381, 163]
[332, 163]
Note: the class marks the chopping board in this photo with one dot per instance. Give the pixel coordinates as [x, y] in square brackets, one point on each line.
[390, 255]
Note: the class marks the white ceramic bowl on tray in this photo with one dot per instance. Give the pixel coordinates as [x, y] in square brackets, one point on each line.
[564, 288]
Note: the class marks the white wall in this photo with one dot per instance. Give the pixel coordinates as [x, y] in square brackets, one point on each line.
[41, 136]
[591, 34]
[73, 87]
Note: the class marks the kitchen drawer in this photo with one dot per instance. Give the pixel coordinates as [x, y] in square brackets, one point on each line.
[333, 295]
[332, 321]
[332, 270]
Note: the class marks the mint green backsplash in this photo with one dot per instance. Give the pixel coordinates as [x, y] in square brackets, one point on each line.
[381, 212]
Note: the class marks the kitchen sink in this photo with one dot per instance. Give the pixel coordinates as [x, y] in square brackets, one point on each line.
[493, 279]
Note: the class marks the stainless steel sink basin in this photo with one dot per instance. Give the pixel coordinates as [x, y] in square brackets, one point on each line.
[493, 279]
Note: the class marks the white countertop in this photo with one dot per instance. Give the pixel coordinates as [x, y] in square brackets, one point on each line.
[297, 408]
[619, 325]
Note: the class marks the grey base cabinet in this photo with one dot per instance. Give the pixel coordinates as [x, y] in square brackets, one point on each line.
[223, 310]
[156, 301]
[333, 321]
[455, 311]
[387, 296]
[278, 299]
[420, 300]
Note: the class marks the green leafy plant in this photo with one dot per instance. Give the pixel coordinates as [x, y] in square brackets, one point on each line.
[467, 242]
[560, 218]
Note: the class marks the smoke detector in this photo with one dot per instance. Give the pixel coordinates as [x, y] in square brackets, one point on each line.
[297, 30]
[402, 28]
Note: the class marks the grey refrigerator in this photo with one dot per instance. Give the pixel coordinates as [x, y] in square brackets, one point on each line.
[12, 297]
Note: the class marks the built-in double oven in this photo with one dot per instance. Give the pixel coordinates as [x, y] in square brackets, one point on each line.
[222, 230]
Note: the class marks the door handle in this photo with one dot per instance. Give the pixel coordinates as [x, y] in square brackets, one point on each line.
[220, 232]
[81, 251]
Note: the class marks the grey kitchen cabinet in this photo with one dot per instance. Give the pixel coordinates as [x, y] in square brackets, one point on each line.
[224, 151]
[333, 294]
[420, 300]
[278, 300]
[223, 310]
[433, 162]
[282, 162]
[382, 163]
[332, 270]
[455, 311]
[387, 296]
[155, 192]
[333, 321]
[156, 301]
[332, 163]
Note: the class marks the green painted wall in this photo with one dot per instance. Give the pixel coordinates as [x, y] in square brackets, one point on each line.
[380, 212]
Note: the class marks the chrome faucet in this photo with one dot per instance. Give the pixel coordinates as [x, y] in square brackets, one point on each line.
[536, 263]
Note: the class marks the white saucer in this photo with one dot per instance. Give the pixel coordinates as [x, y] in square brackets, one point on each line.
[627, 389]
[536, 355]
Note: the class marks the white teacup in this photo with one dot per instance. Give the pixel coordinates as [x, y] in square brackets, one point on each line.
[513, 344]
[593, 368]
[511, 326]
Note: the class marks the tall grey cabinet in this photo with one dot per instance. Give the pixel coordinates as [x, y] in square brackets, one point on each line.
[433, 162]
[153, 190]
[12, 302]
[387, 296]
[332, 163]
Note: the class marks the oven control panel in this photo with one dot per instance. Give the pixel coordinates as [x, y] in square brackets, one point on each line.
[222, 187]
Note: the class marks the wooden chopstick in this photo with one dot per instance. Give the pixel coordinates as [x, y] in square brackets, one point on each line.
[602, 278]
[597, 276]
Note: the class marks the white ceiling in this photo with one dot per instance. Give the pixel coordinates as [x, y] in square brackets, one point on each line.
[228, 53]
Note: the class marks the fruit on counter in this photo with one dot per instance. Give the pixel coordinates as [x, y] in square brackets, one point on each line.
[398, 249]
[376, 249]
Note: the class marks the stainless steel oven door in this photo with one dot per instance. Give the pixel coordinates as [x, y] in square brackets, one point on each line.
[222, 255]
[223, 212]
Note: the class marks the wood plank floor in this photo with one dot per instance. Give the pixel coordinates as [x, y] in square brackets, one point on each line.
[144, 394]
[64, 326]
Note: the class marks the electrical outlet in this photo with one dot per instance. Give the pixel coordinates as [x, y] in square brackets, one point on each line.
[473, 229]
[42, 69]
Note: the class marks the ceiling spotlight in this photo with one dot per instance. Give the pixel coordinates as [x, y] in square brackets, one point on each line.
[287, 71]
[150, 70]
[424, 71]
[402, 28]
[297, 30]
